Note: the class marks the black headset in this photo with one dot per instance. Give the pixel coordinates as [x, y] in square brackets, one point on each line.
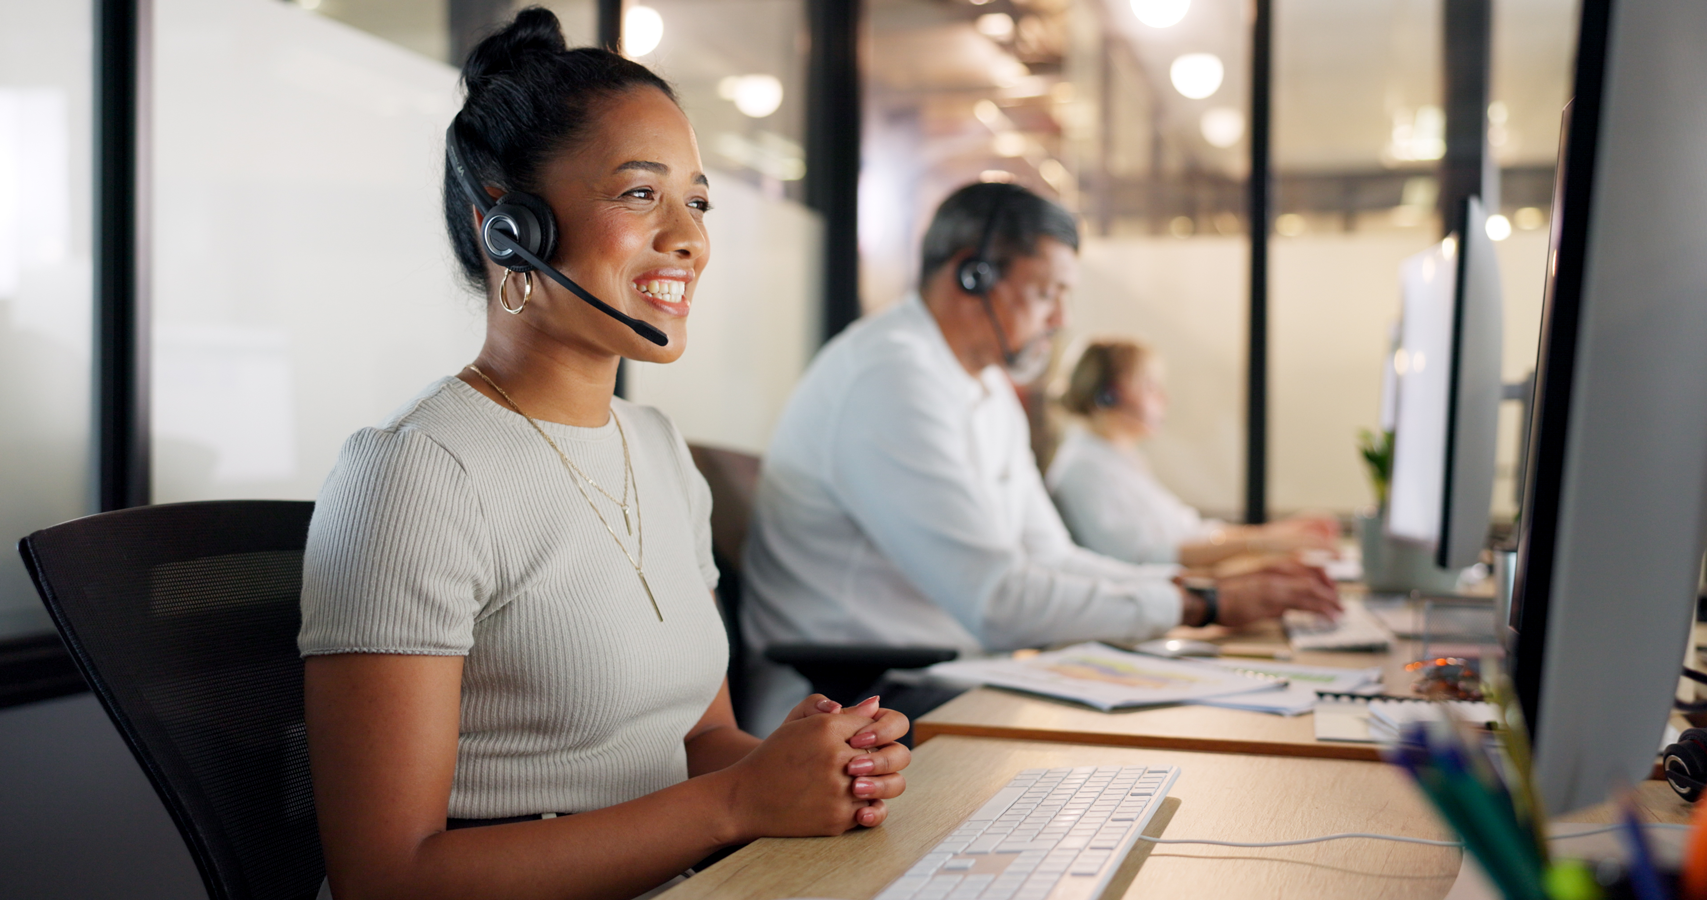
[520, 234]
[977, 274]
[1685, 764]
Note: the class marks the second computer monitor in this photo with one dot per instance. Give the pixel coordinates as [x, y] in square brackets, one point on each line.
[1448, 396]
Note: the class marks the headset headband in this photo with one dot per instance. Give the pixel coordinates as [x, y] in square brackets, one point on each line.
[477, 196]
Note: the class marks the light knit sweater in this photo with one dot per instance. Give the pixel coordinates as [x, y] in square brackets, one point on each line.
[454, 530]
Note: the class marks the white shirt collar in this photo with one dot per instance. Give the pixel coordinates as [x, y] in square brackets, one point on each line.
[920, 319]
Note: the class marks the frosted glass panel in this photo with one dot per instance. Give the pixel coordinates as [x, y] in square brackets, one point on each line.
[303, 284]
[739, 67]
[1186, 299]
[45, 287]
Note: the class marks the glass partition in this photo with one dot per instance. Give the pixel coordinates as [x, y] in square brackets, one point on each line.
[303, 286]
[1080, 101]
[1359, 133]
[739, 67]
[46, 292]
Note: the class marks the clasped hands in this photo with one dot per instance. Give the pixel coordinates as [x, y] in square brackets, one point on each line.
[825, 770]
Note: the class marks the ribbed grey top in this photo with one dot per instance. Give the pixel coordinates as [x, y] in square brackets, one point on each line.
[454, 529]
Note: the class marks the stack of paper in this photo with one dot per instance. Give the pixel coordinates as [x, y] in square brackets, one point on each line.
[1387, 717]
[1106, 678]
[1378, 720]
[1303, 682]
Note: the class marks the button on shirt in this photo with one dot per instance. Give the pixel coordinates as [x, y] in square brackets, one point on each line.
[900, 504]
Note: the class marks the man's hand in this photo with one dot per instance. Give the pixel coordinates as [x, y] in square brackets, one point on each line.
[1267, 592]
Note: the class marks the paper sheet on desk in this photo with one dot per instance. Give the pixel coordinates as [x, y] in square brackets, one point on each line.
[1101, 676]
[1303, 682]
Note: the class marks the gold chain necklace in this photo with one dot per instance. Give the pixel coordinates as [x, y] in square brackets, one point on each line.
[637, 559]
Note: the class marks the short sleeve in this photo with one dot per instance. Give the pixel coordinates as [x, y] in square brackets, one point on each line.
[398, 559]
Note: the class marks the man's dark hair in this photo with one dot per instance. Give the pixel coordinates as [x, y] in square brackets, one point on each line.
[529, 98]
[960, 221]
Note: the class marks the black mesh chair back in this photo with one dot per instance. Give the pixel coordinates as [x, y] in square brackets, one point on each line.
[183, 620]
[733, 476]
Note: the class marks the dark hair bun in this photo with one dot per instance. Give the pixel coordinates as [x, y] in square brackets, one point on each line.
[534, 30]
[529, 97]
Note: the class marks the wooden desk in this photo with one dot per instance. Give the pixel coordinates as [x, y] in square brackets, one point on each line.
[991, 712]
[1253, 798]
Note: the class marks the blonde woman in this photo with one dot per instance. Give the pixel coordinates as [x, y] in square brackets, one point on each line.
[1111, 501]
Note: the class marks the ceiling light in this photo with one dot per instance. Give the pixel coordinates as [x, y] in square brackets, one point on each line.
[1181, 226]
[996, 175]
[1530, 218]
[1419, 136]
[988, 113]
[1054, 173]
[1010, 143]
[1223, 126]
[1197, 75]
[1290, 224]
[1007, 71]
[997, 26]
[642, 29]
[755, 96]
[1160, 13]
[1499, 227]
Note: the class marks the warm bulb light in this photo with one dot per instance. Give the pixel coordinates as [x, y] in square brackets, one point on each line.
[1223, 126]
[642, 29]
[1197, 75]
[1160, 13]
[998, 26]
[1010, 144]
[756, 96]
[1499, 227]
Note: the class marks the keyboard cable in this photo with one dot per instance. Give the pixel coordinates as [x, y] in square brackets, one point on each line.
[1385, 837]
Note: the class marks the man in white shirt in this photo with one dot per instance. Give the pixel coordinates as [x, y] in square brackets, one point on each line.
[900, 504]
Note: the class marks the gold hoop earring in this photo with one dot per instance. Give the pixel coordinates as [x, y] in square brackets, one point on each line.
[527, 291]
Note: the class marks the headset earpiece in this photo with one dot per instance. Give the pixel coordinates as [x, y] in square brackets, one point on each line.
[977, 273]
[525, 219]
[519, 232]
[976, 276]
[1685, 764]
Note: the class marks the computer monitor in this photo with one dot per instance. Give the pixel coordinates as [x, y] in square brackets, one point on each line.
[1446, 414]
[1611, 536]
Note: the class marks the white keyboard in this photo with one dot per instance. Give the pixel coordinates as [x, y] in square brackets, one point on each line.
[1050, 834]
[1357, 629]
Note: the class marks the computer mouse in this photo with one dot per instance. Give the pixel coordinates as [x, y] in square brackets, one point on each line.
[1174, 648]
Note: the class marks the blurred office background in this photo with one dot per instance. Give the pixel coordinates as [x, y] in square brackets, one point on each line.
[298, 284]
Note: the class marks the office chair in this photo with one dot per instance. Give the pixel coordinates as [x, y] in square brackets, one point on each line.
[183, 619]
[838, 671]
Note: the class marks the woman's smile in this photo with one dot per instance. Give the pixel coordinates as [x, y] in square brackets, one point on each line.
[666, 289]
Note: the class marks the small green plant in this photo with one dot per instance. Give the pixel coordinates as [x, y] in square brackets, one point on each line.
[1377, 451]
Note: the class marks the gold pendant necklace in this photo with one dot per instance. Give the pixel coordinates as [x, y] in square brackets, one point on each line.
[638, 559]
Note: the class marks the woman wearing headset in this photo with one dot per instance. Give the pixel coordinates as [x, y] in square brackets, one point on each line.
[1104, 488]
[514, 665]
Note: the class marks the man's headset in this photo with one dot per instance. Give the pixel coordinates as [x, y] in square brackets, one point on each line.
[978, 275]
[520, 234]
